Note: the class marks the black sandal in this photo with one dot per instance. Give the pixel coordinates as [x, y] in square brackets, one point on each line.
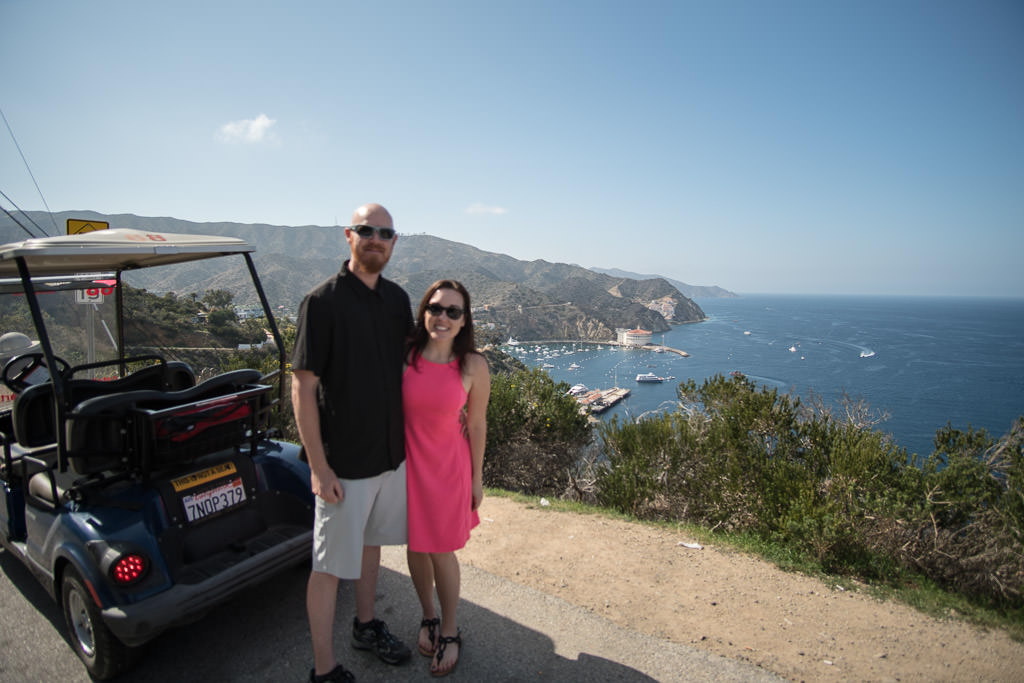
[431, 625]
[442, 643]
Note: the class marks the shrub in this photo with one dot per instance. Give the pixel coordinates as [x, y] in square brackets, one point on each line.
[744, 459]
[960, 519]
[731, 461]
[639, 459]
[534, 433]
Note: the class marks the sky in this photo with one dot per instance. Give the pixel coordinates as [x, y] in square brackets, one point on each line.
[820, 147]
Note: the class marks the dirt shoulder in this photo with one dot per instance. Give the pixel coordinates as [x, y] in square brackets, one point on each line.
[734, 605]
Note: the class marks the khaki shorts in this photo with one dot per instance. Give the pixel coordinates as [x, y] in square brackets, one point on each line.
[372, 513]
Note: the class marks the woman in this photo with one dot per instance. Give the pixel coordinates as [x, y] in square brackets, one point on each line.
[445, 390]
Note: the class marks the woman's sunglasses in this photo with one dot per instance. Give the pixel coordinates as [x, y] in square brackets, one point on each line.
[368, 231]
[453, 312]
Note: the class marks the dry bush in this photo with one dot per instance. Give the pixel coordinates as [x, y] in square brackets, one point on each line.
[527, 467]
[982, 559]
[968, 533]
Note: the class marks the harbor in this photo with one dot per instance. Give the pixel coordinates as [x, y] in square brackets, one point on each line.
[597, 371]
[656, 348]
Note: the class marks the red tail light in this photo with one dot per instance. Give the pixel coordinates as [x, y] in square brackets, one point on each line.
[128, 569]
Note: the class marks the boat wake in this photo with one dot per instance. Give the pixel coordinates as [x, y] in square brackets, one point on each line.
[664, 408]
[864, 351]
[769, 381]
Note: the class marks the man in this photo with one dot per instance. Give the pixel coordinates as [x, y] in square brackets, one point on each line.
[347, 397]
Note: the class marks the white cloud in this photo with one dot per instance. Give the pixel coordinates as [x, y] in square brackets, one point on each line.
[247, 131]
[482, 208]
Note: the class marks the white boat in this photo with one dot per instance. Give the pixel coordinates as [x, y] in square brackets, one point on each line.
[867, 354]
[578, 389]
[792, 349]
[747, 332]
[512, 342]
[547, 365]
[575, 366]
[649, 377]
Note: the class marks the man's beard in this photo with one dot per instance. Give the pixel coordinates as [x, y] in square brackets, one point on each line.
[372, 261]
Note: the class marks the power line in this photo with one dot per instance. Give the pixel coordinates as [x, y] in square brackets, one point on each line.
[11, 216]
[23, 214]
[25, 161]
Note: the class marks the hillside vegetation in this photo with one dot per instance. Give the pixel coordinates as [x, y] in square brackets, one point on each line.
[828, 488]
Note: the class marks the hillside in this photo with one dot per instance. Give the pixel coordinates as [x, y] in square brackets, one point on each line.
[525, 299]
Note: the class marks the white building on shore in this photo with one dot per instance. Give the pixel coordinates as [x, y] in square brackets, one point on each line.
[634, 337]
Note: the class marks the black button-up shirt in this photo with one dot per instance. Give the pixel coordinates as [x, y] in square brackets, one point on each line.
[353, 339]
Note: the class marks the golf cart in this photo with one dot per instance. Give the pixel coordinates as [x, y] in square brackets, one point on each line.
[138, 490]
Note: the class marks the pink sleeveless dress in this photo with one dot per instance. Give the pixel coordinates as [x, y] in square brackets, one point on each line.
[438, 465]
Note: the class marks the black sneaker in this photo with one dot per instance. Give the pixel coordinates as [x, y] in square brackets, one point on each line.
[336, 675]
[374, 635]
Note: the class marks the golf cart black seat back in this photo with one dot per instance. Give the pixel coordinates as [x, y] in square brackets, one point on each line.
[33, 414]
[147, 430]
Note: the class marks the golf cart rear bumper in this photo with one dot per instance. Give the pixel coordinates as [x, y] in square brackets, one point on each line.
[136, 624]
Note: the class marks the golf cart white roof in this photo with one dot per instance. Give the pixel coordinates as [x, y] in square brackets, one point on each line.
[113, 250]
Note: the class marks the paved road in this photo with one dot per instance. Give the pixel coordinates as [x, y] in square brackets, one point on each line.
[511, 633]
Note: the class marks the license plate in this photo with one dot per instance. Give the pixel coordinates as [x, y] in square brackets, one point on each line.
[210, 501]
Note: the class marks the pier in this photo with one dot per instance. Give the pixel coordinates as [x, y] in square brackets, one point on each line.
[657, 348]
[600, 400]
[661, 348]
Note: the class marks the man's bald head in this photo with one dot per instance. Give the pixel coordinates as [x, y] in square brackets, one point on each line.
[372, 214]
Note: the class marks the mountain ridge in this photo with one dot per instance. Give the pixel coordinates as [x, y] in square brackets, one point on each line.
[527, 299]
[690, 291]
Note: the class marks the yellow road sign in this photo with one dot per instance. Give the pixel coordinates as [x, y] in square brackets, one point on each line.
[77, 227]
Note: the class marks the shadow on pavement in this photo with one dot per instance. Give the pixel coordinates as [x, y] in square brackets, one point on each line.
[32, 591]
[263, 636]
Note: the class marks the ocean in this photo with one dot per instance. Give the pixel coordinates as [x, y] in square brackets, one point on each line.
[925, 361]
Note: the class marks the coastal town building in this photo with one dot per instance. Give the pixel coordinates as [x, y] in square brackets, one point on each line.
[666, 306]
[634, 337]
[248, 312]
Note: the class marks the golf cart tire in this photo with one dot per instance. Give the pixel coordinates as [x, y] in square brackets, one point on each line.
[102, 653]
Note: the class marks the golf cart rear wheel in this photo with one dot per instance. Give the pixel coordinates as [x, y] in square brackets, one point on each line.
[101, 652]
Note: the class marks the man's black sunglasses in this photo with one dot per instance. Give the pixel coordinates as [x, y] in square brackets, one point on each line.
[453, 312]
[367, 231]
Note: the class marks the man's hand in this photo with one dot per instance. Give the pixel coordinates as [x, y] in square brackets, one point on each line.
[326, 485]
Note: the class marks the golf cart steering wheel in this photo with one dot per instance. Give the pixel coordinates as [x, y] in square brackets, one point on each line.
[19, 369]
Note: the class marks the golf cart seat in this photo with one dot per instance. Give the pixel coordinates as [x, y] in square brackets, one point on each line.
[50, 487]
[33, 414]
[145, 430]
